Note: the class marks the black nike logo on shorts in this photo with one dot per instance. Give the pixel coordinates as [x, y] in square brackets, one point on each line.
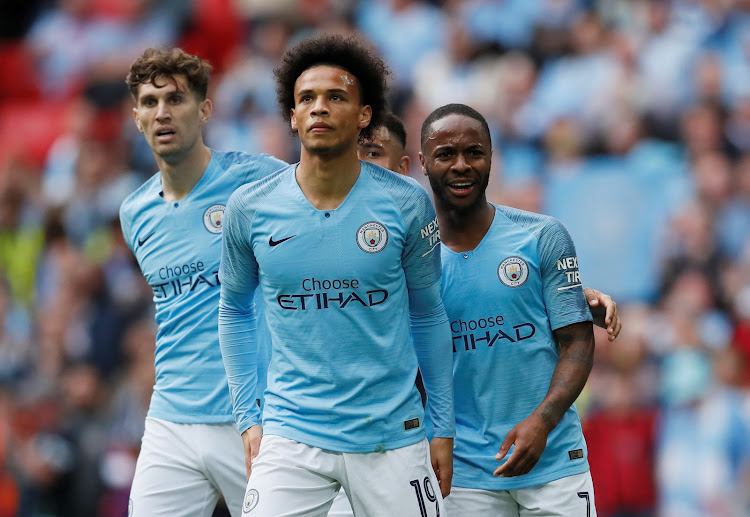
[272, 242]
[141, 242]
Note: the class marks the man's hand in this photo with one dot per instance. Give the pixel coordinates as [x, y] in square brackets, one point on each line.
[441, 454]
[251, 441]
[604, 310]
[530, 439]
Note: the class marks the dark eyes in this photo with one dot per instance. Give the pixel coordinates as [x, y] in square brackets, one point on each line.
[151, 102]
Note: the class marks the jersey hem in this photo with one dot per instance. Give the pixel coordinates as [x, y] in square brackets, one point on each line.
[181, 418]
[334, 446]
[507, 484]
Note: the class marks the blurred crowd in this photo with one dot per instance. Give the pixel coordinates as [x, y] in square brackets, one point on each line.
[629, 120]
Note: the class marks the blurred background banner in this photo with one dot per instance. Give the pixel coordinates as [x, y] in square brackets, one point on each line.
[629, 120]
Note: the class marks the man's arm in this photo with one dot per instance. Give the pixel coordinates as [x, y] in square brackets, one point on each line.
[604, 310]
[432, 343]
[570, 318]
[573, 367]
[237, 326]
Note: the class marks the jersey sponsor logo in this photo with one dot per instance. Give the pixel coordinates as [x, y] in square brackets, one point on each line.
[141, 242]
[318, 295]
[273, 243]
[488, 337]
[177, 284]
[213, 218]
[513, 271]
[569, 266]
[251, 500]
[372, 237]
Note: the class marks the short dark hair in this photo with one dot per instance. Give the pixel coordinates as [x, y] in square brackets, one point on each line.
[395, 127]
[453, 109]
[347, 53]
[155, 63]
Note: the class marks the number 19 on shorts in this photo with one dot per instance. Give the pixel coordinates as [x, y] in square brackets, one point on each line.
[429, 491]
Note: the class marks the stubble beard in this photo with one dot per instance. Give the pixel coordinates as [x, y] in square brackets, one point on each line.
[441, 196]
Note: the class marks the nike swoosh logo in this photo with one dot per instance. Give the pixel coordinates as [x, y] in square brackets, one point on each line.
[141, 242]
[272, 242]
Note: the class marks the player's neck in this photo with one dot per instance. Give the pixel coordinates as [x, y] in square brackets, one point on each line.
[463, 230]
[178, 178]
[326, 180]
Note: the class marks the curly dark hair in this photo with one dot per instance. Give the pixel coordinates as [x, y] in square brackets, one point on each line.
[155, 63]
[347, 53]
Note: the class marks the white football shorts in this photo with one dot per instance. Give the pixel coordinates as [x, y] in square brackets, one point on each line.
[571, 496]
[183, 468]
[293, 479]
[341, 506]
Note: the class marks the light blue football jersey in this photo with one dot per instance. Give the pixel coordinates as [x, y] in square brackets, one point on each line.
[503, 300]
[335, 287]
[178, 248]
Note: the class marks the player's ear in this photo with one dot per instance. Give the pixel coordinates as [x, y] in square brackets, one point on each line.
[365, 116]
[206, 109]
[404, 165]
[293, 120]
[421, 162]
[137, 122]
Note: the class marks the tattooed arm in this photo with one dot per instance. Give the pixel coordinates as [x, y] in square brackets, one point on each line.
[573, 367]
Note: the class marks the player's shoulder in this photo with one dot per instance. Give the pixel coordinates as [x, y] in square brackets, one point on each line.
[532, 221]
[252, 195]
[247, 167]
[137, 200]
[405, 191]
[545, 228]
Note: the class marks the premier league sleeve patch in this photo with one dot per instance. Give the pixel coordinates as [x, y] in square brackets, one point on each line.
[372, 237]
[213, 218]
[513, 271]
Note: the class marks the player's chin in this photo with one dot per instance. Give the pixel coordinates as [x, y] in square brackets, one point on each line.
[323, 148]
[460, 202]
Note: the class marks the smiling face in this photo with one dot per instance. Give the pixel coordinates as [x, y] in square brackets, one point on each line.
[170, 116]
[456, 157]
[384, 150]
[327, 113]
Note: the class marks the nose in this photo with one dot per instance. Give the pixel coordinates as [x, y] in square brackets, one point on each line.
[163, 112]
[320, 107]
[460, 165]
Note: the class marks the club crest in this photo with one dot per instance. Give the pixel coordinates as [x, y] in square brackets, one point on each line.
[513, 271]
[213, 218]
[251, 500]
[372, 237]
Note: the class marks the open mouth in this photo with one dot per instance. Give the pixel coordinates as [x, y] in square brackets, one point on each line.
[164, 134]
[460, 188]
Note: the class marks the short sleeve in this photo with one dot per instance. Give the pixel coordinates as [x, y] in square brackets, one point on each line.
[561, 281]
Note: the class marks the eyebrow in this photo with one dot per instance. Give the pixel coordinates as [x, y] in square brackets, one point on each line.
[371, 145]
[331, 90]
[154, 96]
